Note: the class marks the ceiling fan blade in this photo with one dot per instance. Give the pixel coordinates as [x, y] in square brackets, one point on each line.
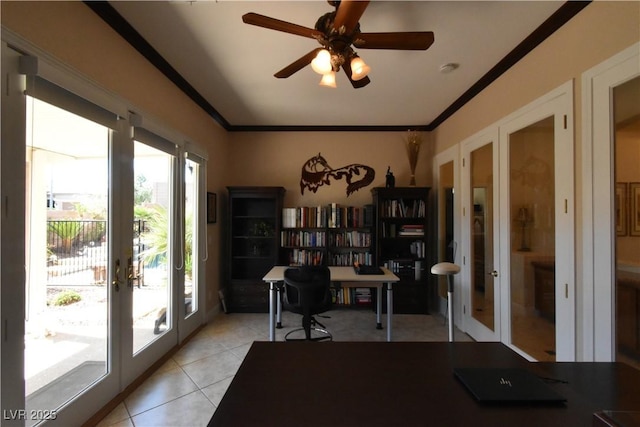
[278, 25]
[420, 40]
[298, 65]
[348, 14]
[357, 84]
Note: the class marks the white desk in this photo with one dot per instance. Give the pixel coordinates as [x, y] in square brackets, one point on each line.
[348, 278]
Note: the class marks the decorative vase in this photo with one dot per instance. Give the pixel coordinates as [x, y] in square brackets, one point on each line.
[414, 140]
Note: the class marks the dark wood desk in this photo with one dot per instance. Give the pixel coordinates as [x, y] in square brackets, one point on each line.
[408, 384]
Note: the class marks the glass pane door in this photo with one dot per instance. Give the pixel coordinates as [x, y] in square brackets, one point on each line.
[150, 270]
[191, 236]
[532, 250]
[627, 220]
[482, 242]
[67, 255]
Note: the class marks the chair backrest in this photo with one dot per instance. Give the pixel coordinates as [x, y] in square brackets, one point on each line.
[307, 287]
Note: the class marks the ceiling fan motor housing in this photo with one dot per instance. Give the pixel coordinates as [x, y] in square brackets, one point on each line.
[337, 42]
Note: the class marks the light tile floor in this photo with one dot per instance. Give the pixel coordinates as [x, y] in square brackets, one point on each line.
[187, 389]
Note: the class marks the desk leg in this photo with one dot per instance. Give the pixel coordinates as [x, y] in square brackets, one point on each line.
[279, 311]
[389, 309]
[272, 306]
[379, 306]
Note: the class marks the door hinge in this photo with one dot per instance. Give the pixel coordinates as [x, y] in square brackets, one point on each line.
[464, 260]
[566, 206]
[463, 161]
[565, 121]
[566, 291]
[464, 309]
[464, 211]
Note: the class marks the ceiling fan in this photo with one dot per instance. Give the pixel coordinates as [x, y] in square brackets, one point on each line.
[337, 32]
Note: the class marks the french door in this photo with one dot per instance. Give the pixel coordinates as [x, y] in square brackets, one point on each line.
[108, 217]
[480, 201]
[518, 231]
[150, 254]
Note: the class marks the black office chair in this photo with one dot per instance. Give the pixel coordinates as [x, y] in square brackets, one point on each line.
[307, 291]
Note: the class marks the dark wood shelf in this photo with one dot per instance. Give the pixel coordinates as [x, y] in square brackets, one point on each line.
[404, 253]
[254, 224]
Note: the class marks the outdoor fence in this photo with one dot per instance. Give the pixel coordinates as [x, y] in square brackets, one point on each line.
[77, 250]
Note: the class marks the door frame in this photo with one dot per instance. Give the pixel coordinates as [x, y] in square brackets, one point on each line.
[557, 103]
[187, 324]
[598, 271]
[12, 225]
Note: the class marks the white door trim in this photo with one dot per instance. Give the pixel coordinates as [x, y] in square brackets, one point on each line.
[598, 302]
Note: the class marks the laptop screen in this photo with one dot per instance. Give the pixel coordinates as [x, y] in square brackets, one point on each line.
[506, 385]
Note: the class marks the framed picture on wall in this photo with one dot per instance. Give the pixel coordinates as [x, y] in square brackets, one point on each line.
[634, 208]
[212, 208]
[621, 209]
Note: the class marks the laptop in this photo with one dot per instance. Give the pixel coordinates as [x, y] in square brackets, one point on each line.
[507, 385]
[367, 269]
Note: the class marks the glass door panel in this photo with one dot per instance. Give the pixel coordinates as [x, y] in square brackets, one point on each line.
[627, 208]
[532, 242]
[191, 236]
[150, 269]
[446, 242]
[67, 251]
[482, 240]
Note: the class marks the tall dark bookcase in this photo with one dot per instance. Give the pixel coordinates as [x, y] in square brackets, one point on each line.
[254, 225]
[402, 244]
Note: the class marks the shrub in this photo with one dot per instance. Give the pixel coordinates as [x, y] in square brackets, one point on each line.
[66, 298]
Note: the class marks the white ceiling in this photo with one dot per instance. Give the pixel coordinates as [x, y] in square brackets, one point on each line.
[231, 64]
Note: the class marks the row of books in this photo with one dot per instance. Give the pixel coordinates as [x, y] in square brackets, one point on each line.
[304, 217]
[331, 216]
[306, 257]
[399, 208]
[313, 239]
[351, 296]
[350, 258]
[406, 230]
[411, 230]
[407, 268]
[310, 239]
[350, 239]
[418, 249]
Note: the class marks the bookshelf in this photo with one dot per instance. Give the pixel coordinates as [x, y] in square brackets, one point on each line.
[402, 243]
[330, 235]
[253, 244]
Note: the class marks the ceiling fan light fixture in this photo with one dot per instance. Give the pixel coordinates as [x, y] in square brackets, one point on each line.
[359, 70]
[329, 79]
[321, 64]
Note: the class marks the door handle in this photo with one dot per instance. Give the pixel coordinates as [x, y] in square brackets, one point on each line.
[116, 276]
[130, 273]
[493, 273]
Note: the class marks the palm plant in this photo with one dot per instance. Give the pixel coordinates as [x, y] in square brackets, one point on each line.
[67, 231]
[156, 239]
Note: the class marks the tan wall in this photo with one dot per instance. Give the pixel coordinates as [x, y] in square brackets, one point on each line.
[277, 158]
[598, 32]
[75, 35]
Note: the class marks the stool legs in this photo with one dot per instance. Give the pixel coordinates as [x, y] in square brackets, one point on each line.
[450, 307]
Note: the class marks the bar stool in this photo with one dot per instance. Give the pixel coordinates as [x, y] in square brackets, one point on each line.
[447, 269]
